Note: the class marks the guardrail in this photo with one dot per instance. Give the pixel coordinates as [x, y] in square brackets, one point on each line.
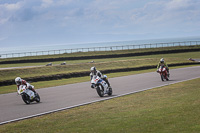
[108, 48]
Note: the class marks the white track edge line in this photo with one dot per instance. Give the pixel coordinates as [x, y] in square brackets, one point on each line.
[65, 108]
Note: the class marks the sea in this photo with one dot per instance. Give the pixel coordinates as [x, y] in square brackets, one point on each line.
[8, 52]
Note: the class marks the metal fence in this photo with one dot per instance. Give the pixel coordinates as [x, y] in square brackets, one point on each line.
[108, 48]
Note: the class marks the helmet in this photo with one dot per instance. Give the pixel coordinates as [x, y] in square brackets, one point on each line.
[18, 80]
[93, 69]
[162, 60]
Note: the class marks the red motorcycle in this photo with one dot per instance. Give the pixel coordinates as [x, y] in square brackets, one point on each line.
[163, 73]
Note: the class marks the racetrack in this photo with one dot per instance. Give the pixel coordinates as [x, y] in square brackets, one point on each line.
[63, 97]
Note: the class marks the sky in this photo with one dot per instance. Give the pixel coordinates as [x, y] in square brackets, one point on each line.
[48, 22]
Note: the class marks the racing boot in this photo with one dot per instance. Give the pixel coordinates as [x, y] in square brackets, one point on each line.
[31, 88]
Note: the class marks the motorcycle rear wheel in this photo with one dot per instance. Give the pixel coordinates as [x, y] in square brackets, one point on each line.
[110, 91]
[37, 99]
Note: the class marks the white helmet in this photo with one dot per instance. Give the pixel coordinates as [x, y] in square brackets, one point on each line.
[162, 60]
[93, 69]
[18, 80]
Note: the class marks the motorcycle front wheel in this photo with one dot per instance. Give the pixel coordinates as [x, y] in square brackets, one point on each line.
[100, 91]
[162, 77]
[26, 98]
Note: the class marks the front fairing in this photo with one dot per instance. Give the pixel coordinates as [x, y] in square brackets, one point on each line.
[95, 80]
[22, 91]
[162, 69]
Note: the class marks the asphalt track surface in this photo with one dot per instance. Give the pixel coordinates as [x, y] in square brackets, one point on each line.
[58, 98]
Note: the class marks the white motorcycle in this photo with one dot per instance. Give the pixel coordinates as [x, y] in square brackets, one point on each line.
[101, 86]
[28, 96]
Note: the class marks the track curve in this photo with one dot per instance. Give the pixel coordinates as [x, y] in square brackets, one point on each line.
[53, 99]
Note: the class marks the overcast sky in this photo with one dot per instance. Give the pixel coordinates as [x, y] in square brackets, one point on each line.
[48, 22]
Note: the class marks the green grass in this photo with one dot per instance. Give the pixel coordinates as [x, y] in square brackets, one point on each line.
[169, 109]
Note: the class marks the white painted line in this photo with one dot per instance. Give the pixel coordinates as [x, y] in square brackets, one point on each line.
[65, 108]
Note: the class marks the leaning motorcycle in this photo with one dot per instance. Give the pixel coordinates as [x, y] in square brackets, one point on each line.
[28, 96]
[101, 86]
[163, 73]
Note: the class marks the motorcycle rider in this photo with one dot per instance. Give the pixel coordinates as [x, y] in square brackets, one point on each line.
[19, 81]
[163, 63]
[95, 72]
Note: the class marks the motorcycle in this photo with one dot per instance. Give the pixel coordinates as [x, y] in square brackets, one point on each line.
[28, 96]
[163, 73]
[101, 86]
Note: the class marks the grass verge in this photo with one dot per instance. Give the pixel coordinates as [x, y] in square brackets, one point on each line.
[173, 108]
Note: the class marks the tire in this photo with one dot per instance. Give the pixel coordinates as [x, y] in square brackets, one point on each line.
[37, 98]
[162, 77]
[100, 91]
[26, 98]
[167, 77]
[110, 91]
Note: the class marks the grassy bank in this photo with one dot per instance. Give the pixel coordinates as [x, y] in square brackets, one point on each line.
[170, 109]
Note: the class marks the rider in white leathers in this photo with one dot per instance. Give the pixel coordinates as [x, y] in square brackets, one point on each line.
[19, 81]
[95, 72]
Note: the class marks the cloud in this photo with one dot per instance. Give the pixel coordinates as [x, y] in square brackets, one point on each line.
[8, 9]
[172, 11]
[12, 7]
[127, 12]
[178, 4]
[98, 17]
[47, 3]
[2, 38]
